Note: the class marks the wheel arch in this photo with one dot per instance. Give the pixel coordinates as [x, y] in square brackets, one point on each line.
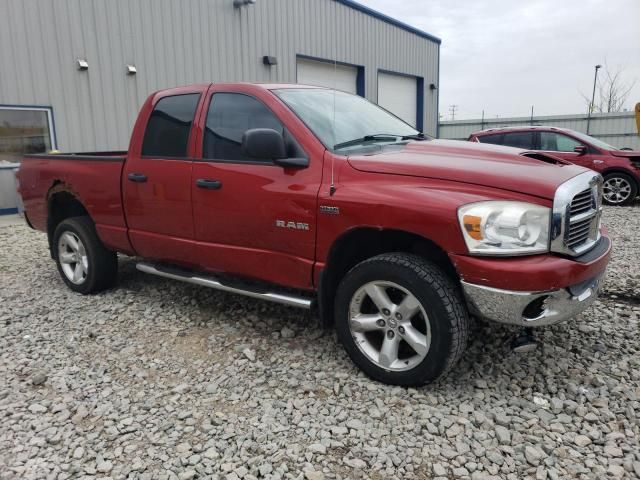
[628, 173]
[62, 203]
[356, 245]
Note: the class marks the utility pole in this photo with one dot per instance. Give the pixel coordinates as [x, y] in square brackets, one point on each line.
[531, 120]
[452, 111]
[593, 97]
[482, 121]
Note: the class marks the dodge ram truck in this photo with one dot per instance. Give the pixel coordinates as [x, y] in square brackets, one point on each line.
[316, 198]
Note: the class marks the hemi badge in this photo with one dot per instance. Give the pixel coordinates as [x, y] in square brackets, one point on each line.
[329, 210]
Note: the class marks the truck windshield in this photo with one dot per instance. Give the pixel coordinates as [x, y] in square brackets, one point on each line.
[354, 120]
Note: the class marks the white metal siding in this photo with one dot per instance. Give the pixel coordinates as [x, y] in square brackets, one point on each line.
[324, 74]
[180, 42]
[617, 129]
[398, 94]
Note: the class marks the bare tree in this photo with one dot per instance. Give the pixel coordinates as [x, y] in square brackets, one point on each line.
[612, 92]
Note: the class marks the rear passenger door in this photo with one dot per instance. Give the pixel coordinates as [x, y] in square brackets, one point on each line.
[156, 181]
[523, 140]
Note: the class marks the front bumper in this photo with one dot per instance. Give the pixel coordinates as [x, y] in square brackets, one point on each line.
[531, 309]
[547, 291]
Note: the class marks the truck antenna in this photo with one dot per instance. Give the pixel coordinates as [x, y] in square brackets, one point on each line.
[332, 188]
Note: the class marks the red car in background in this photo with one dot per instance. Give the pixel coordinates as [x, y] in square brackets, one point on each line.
[620, 168]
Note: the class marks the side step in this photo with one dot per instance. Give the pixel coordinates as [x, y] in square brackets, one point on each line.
[248, 290]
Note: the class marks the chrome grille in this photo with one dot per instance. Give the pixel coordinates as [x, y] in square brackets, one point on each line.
[583, 202]
[582, 213]
[577, 207]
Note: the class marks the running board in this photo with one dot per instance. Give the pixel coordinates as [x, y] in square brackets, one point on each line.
[248, 290]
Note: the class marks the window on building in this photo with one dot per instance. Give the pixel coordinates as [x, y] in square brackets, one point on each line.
[169, 126]
[556, 142]
[519, 140]
[24, 131]
[229, 116]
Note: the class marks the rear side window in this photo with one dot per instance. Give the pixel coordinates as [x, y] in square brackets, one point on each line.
[168, 130]
[229, 116]
[519, 140]
[493, 139]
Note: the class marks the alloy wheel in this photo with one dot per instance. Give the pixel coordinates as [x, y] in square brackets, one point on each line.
[389, 325]
[73, 257]
[616, 190]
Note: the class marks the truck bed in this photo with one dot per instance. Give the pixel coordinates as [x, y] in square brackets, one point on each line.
[93, 178]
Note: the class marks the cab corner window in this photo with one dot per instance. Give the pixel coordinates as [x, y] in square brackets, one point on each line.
[167, 133]
[229, 116]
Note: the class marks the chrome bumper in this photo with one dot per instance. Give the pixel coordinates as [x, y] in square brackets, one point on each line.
[531, 309]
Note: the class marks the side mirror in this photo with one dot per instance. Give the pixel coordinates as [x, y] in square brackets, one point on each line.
[267, 144]
[580, 149]
[263, 143]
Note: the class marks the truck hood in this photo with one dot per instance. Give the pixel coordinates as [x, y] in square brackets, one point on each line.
[625, 153]
[488, 165]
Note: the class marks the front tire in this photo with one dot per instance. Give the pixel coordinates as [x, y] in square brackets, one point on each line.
[401, 319]
[84, 263]
[619, 189]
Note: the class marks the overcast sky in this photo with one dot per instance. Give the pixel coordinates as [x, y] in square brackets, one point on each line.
[504, 56]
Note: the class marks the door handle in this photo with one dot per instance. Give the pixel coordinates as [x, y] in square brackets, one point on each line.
[137, 177]
[208, 184]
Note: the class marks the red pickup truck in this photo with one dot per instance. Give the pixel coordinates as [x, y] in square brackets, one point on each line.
[319, 199]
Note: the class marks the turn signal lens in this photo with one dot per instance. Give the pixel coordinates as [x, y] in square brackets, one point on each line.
[472, 225]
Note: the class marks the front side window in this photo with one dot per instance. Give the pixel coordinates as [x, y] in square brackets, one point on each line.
[522, 140]
[337, 117]
[24, 131]
[229, 116]
[169, 126]
[556, 142]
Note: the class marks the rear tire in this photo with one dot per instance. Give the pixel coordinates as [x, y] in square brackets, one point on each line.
[83, 262]
[401, 319]
[619, 189]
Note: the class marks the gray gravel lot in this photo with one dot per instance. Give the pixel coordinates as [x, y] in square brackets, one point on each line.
[158, 379]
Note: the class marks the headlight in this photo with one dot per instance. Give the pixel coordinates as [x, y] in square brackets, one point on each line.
[505, 228]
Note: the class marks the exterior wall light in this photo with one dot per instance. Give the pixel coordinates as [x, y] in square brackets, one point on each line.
[131, 70]
[82, 64]
[270, 61]
[433, 86]
[242, 3]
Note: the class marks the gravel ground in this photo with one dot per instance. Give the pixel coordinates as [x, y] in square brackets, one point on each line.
[158, 379]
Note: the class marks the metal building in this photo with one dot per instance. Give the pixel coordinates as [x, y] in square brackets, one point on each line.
[75, 72]
[616, 129]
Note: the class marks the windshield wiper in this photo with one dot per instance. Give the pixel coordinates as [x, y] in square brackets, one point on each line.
[417, 136]
[366, 138]
[379, 137]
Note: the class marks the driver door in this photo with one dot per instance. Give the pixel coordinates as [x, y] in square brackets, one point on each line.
[242, 206]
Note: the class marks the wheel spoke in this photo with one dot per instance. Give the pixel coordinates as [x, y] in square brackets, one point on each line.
[366, 323]
[408, 307]
[416, 340]
[389, 351]
[72, 242]
[379, 296]
[85, 264]
[67, 257]
[77, 272]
